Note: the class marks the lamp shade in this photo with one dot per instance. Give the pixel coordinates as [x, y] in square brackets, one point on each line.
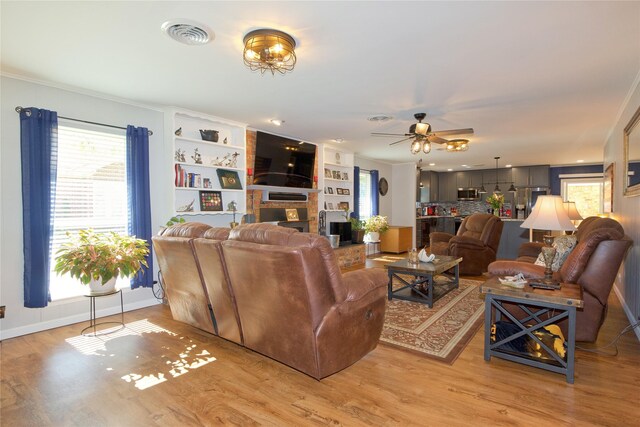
[549, 214]
[572, 211]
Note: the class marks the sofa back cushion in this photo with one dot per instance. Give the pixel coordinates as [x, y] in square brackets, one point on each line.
[282, 282]
[181, 276]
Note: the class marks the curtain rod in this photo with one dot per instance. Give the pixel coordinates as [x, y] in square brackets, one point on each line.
[19, 109]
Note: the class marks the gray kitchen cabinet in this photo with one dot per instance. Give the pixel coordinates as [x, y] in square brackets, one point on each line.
[469, 179]
[428, 191]
[489, 177]
[447, 187]
[539, 176]
[531, 176]
[434, 182]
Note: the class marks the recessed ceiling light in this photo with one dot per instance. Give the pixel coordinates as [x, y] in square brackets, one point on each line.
[338, 140]
[276, 122]
[380, 118]
[449, 170]
[188, 32]
[507, 166]
[579, 161]
[432, 164]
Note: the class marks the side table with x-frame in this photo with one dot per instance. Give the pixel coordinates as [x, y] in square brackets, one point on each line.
[541, 308]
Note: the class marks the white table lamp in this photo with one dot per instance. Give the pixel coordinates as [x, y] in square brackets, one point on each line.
[549, 214]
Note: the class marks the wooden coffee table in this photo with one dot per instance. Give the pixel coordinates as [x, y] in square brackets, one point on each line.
[542, 308]
[421, 289]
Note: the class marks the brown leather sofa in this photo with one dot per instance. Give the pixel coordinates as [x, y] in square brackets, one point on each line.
[593, 264]
[274, 290]
[476, 242]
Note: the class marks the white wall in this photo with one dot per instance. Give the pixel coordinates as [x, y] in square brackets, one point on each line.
[625, 211]
[18, 319]
[403, 192]
[385, 172]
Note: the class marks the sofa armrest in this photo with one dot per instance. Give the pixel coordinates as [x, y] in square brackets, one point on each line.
[361, 282]
[439, 236]
[511, 268]
[465, 242]
[530, 249]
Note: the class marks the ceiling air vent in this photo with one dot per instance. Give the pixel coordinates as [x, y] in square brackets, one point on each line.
[379, 118]
[188, 32]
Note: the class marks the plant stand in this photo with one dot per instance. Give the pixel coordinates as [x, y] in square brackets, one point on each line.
[92, 315]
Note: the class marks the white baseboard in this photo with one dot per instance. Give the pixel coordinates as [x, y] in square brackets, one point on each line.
[628, 312]
[64, 321]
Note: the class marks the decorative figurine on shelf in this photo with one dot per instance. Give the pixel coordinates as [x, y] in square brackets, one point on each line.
[217, 161]
[187, 207]
[197, 158]
[232, 161]
[233, 207]
[209, 135]
[178, 132]
[179, 156]
[225, 141]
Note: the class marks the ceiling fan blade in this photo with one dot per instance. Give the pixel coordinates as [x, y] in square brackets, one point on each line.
[436, 139]
[388, 134]
[468, 131]
[402, 140]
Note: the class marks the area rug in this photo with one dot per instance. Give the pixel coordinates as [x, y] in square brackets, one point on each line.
[441, 332]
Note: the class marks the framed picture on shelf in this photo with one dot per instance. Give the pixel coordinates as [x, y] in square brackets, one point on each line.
[336, 174]
[206, 183]
[210, 201]
[229, 180]
[330, 206]
[343, 206]
[327, 173]
[339, 191]
[330, 190]
[345, 176]
[292, 214]
[346, 192]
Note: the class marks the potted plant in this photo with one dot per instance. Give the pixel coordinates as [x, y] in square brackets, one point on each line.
[97, 259]
[357, 230]
[374, 226]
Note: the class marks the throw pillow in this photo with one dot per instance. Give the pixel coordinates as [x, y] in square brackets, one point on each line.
[564, 245]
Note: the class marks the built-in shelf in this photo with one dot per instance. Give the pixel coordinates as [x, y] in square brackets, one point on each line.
[197, 165]
[208, 189]
[337, 180]
[202, 141]
[210, 213]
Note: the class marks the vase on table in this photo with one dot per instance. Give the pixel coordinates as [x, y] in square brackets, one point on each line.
[496, 212]
[374, 236]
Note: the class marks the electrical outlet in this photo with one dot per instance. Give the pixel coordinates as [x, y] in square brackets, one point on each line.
[2, 311]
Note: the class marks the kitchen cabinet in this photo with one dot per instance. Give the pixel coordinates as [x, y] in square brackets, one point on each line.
[447, 187]
[469, 179]
[426, 226]
[531, 176]
[428, 191]
[489, 177]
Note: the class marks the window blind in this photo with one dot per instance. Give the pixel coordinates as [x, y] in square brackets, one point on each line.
[364, 202]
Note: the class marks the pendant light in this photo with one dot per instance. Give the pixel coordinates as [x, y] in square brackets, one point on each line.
[426, 147]
[415, 146]
[496, 190]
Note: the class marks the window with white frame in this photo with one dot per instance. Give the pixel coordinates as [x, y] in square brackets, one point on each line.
[365, 204]
[91, 192]
[586, 192]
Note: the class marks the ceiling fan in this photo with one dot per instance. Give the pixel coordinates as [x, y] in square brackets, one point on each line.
[423, 136]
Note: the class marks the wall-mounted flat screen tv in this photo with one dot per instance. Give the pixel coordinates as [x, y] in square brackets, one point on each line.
[283, 162]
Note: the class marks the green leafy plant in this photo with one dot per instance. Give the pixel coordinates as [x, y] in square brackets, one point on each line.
[376, 224]
[101, 256]
[175, 220]
[356, 224]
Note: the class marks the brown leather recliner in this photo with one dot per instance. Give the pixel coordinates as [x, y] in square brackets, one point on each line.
[476, 242]
[593, 264]
[284, 291]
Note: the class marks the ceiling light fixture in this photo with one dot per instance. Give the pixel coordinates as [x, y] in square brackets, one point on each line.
[276, 122]
[432, 164]
[455, 145]
[269, 50]
[338, 140]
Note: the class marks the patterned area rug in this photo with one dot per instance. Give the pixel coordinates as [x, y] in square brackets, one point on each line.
[441, 332]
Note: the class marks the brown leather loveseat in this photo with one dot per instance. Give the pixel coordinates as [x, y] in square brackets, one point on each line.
[476, 242]
[274, 290]
[593, 264]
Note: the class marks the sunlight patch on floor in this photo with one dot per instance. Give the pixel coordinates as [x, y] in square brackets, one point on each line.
[189, 358]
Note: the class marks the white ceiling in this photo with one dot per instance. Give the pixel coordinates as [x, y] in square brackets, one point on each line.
[541, 83]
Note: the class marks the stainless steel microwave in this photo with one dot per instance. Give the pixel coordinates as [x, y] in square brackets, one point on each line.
[468, 194]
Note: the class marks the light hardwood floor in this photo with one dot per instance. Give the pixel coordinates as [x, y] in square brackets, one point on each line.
[153, 378]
